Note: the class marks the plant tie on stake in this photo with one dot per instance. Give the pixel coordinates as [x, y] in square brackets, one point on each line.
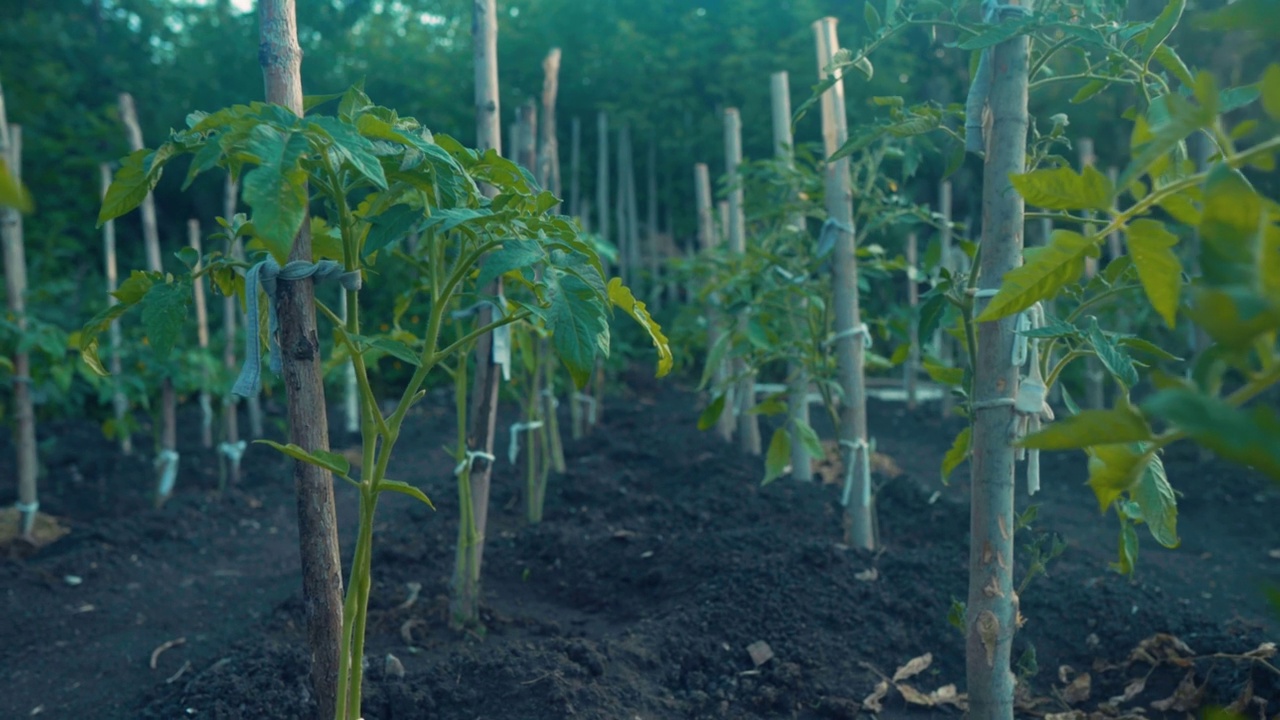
[1030, 408]
[590, 402]
[27, 513]
[167, 462]
[513, 450]
[860, 329]
[857, 447]
[551, 396]
[233, 451]
[264, 275]
[980, 87]
[470, 459]
[501, 353]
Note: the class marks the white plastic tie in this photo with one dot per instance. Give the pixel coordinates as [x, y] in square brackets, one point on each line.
[860, 329]
[27, 515]
[857, 447]
[27, 508]
[470, 460]
[590, 402]
[233, 450]
[167, 462]
[551, 396]
[513, 449]
[264, 277]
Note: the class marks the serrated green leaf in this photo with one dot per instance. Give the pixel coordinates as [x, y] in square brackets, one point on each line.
[620, 295]
[1113, 470]
[806, 436]
[332, 462]
[450, 218]
[872, 18]
[1170, 60]
[1128, 555]
[576, 319]
[958, 453]
[1151, 247]
[1115, 360]
[1090, 427]
[1163, 26]
[1088, 90]
[943, 375]
[711, 414]
[1158, 503]
[389, 226]
[514, 255]
[1250, 438]
[1229, 228]
[310, 102]
[1270, 87]
[135, 287]
[1045, 272]
[930, 315]
[129, 187]
[1148, 347]
[1152, 143]
[352, 147]
[405, 488]
[164, 311]
[276, 190]
[1063, 189]
[778, 454]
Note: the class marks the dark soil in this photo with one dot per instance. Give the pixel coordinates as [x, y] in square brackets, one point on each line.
[660, 560]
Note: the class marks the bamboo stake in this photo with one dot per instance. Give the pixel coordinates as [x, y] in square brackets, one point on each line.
[850, 333]
[549, 165]
[707, 241]
[202, 336]
[991, 620]
[230, 456]
[652, 254]
[620, 208]
[119, 403]
[748, 421]
[602, 176]
[798, 376]
[912, 369]
[15, 278]
[465, 603]
[633, 223]
[575, 160]
[528, 114]
[1095, 388]
[943, 341]
[151, 238]
[281, 61]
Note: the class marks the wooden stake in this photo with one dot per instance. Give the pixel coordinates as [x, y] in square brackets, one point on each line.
[748, 421]
[202, 336]
[798, 376]
[575, 161]
[602, 176]
[230, 310]
[860, 519]
[549, 169]
[992, 610]
[281, 61]
[708, 238]
[151, 238]
[1094, 379]
[912, 369]
[15, 279]
[652, 254]
[119, 402]
[620, 208]
[942, 341]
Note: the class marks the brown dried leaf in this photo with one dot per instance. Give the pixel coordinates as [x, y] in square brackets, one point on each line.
[948, 695]
[1265, 651]
[913, 696]
[1242, 703]
[868, 575]
[1079, 689]
[872, 702]
[1185, 698]
[1131, 691]
[913, 667]
[1069, 715]
[1163, 647]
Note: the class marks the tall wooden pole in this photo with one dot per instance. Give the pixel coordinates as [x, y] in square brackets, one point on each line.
[798, 376]
[942, 341]
[465, 603]
[850, 334]
[15, 278]
[230, 311]
[281, 60]
[652, 254]
[602, 176]
[575, 161]
[202, 337]
[549, 170]
[119, 402]
[912, 368]
[748, 421]
[707, 241]
[1095, 388]
[992, 610]
[628, 267]
[151, 238]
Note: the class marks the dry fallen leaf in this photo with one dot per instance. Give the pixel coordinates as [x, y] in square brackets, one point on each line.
[760, 652]
[1264, 651]
[1185, 698]
[1078, 690]
[913, 667]
[913, 696]
[948, 695]
[1131, 691]
[868, 575]
[1069, 715]
[1163, 647]
[872, 703]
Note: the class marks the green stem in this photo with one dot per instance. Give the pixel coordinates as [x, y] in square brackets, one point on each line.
[1079, 76]
[358, 590]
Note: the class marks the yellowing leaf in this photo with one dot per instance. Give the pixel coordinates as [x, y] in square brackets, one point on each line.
[621, 296]
[1046, 271]
[914, 667]
[1113, 469]
[1091, 427]
[1064, 189]
[1151, 247]
[1271, 91]
[777, 457]
[12, 194]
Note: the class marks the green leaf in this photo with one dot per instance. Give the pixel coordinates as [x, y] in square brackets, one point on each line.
[778, 454]
[89, 354]
[1229, 228]
[405, 488]
[164, 311]
[1270, 86]
[1163, 26]
[310, 102]
[390, 225]
[514, 255]
[450, 218]
[621, 296]
[715, 358]
[943, 375]
[130, 186]
[276, 190]
[1090, 427]
[711, 414]
[808, 437]
[1183, 119]
[1128, 558]
[1159, 504]
[1115, 360]
[577, 322]
[958, 453]
[332, 462]
[1256, 16]
[1148, 347]
[872, 17]
[135, 287]
[1046, 271]
[1250, 438]
[1151, 247]
[930, 315]
[352, 147]
[1088, 90]
[1063, 189]
[394, 348]
[12, 193]
[1113, 470]
[995, 34]
[1171, 61]
[863, 65]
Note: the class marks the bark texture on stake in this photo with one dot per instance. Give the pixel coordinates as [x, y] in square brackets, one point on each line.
[202, 335]
[850, 353]
[15, 278]
[151, 239]
[992, 606]
[281, 60]
[942, 341]
[707, 241]
[230, 309]
[798, 387]
[748, 422]
[465, 610]
[118, 400]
